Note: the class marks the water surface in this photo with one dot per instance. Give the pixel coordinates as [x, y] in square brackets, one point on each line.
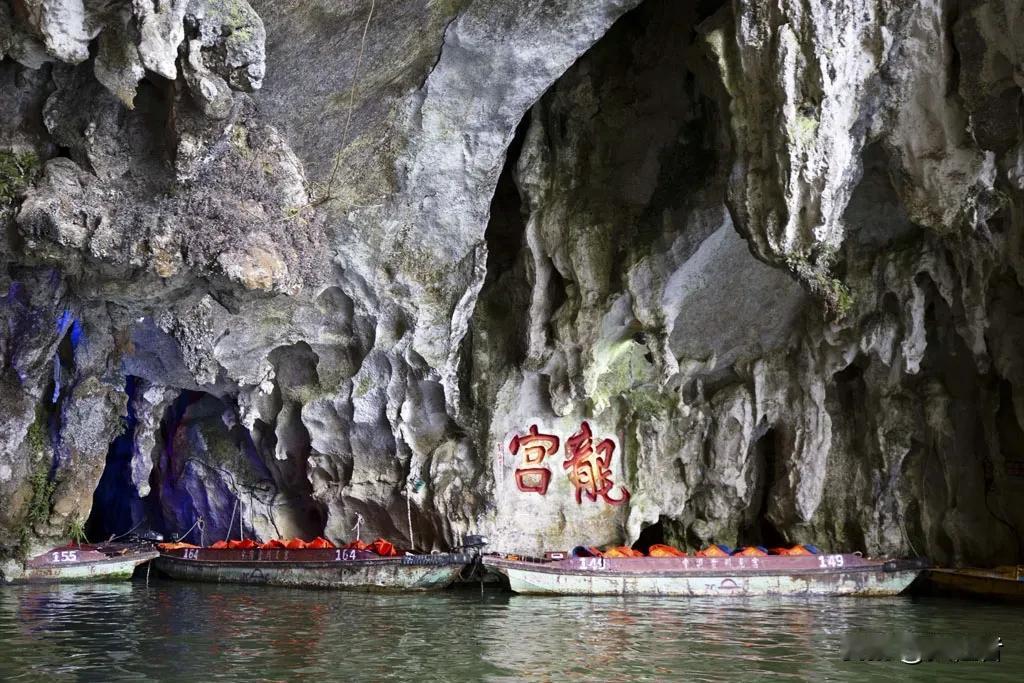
[197, 632]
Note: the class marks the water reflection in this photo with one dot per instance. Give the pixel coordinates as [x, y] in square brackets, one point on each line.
[177, 630]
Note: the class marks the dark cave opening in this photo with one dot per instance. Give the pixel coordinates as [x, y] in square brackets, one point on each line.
[652, 534]
[507, 226]
[757, 527]
[850, 392]
[1011, 437]
[504, 300]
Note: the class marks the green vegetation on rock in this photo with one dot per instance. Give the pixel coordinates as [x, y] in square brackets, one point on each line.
[75, 530]
[815, 271]
[17, 171]
[36, 439]
[39, 505]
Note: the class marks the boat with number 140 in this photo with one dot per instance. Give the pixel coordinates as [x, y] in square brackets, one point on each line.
[730, 575]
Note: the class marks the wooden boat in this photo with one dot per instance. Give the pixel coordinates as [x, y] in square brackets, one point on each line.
[84, 562]
[337, 568]
[1001, 583]
[810, 575]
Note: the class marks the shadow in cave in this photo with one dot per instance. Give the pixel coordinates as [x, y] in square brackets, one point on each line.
[116, 505]
[652, 534]
[505, 294]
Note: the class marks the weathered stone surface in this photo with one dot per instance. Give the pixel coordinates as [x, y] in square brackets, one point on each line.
[329, 259]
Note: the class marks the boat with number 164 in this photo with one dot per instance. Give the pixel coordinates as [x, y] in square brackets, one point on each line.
[377, 566]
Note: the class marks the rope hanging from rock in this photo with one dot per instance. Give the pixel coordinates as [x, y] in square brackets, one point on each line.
[359, 521]
[408, 514]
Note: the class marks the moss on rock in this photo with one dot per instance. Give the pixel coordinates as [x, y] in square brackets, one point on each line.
[17, 171]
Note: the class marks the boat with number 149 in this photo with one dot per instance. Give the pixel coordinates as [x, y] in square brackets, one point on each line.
[729, 575]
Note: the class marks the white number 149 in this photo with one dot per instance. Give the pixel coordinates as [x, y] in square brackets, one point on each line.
[830, 561]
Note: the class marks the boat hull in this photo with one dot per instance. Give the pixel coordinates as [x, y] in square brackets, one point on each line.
[375, 575]
[671, 578]
[977, 583]
[81, 565]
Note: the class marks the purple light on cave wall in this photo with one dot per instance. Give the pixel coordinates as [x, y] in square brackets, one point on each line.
[77, 335]
[64, 321]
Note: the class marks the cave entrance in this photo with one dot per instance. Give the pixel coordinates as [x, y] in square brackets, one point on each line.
[205, 466]
[653, 534]
[208, 466]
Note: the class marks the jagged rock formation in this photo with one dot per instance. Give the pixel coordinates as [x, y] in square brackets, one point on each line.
[304, 264]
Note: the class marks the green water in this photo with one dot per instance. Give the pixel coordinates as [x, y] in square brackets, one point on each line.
[195, 632]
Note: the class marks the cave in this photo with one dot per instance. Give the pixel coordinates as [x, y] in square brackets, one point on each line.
[205, 465]
[649, 177]
[504, 297]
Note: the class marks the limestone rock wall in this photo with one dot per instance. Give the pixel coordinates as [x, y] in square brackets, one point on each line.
[296, 268]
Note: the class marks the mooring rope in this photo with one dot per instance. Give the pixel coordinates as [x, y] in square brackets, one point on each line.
[198, 522]
[114, 538]
[231, 522]
[359, 521]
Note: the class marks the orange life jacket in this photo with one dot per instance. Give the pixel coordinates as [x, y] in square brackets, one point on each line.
[661, 550]
[714, 550]
[383, 548]
[795, 550]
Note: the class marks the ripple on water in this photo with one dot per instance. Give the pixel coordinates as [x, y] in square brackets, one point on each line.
[186, 631]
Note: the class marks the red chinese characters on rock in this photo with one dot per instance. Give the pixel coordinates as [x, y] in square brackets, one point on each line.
[535, 446]
[590, 467]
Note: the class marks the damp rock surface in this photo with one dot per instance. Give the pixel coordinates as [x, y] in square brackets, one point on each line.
[559, 272]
